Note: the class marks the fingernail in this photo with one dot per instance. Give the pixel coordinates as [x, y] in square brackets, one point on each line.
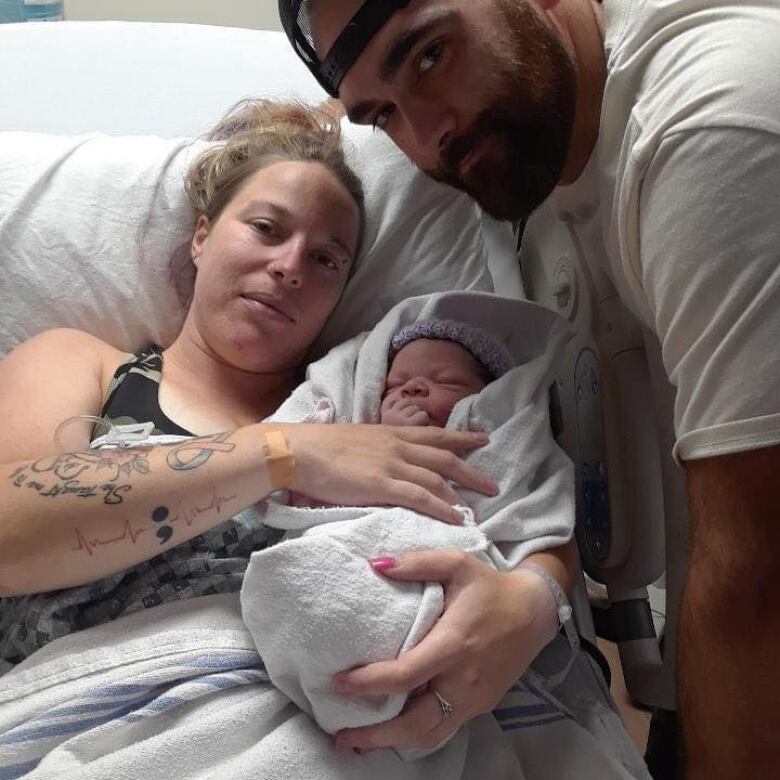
[382, 564]
[338, 684]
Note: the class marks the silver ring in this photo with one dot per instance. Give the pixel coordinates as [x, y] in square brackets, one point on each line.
[447, 710]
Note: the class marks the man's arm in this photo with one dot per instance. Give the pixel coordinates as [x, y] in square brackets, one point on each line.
[708, 264]
[729, 644]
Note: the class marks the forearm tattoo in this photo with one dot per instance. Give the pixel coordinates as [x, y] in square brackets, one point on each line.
[106, 473]
[84, 474]
[163, 521]
[194, 453]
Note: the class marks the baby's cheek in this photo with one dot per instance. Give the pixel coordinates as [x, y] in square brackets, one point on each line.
[439, 409]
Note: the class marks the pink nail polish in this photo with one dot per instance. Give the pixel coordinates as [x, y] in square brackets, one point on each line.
[382, 564]
[338, 685]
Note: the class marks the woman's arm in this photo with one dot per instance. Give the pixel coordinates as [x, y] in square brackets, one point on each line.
[493, 627]
[561, 563]
[74, 517]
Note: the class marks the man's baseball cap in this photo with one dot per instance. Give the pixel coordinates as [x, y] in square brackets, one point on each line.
[364, 25]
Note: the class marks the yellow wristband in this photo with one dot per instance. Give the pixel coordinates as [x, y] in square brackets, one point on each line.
[279, 460]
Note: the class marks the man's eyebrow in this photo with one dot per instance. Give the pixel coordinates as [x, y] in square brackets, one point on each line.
[400, 49]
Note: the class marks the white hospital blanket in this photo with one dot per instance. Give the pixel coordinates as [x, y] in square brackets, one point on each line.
[179, 692]
[313, 604]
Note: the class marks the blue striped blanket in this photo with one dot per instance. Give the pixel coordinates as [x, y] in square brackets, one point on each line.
[180, 692]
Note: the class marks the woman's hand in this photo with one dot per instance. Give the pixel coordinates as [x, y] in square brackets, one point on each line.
[493, 626]
[368, 465]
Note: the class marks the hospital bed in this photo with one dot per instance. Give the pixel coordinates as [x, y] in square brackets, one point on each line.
[611, 405]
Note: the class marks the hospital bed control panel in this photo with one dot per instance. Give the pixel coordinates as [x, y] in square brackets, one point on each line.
[605, 416]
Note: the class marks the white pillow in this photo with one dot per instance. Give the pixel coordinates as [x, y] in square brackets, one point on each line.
[95, 229]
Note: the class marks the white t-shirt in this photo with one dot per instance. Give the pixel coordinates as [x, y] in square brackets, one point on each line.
[680, 206]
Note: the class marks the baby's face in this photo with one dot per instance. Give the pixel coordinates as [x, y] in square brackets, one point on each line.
[426, 379]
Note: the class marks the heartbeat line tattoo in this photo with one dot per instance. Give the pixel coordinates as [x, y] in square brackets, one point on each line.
[89, 545]
[161, 517]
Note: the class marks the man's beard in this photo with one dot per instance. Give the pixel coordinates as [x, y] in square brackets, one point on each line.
[527, 128]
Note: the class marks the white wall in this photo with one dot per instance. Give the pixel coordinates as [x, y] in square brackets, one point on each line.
[262, 14]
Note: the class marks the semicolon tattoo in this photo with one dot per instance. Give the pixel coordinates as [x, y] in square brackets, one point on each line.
[194, 453]
[163, 520]
[164, 532]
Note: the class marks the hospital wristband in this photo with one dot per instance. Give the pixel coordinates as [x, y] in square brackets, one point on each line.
[278, 460]
[565, 612]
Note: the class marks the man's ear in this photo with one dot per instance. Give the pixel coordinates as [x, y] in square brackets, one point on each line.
[199, 238]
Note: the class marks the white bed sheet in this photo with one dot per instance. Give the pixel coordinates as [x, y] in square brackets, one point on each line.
[170, 80]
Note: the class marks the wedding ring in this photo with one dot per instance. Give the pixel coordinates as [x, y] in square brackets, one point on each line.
[447, 710]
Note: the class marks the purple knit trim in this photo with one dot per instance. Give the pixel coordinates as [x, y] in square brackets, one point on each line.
[485, 347]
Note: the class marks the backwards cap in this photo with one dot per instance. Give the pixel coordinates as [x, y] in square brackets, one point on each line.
[357, 33]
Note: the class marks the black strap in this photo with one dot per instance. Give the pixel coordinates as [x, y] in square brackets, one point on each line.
[625, 620]
[363, 26]
[599, 658]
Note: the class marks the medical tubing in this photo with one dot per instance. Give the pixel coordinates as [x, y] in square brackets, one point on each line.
[565, 612]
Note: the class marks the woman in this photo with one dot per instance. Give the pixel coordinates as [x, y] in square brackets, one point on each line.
[280, 217]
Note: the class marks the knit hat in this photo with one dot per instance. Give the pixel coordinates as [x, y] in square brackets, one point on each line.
[485, 347]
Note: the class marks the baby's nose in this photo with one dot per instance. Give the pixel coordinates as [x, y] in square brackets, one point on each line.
[415, 386]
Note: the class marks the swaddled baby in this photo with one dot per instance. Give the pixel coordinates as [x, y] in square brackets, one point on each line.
[312, 603]
[434, 364]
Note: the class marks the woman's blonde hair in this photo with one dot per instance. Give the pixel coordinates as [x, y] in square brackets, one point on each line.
[258, 133]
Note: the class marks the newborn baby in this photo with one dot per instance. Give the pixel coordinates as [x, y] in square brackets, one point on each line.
[312, 603]
[436, 363]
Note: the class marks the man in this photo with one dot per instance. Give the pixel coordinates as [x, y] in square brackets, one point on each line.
[659, 121]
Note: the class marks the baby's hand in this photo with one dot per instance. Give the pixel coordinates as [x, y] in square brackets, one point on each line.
[403, 412]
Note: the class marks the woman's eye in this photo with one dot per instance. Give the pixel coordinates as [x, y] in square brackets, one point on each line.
[326, 261]
[429, 58]
[264, 227]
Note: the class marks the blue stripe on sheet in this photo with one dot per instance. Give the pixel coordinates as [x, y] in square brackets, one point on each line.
[525, 711]
[154, 707]
[121, 689]
[222, 682]
[242, 661]
[115, 710]
[532, 724]
[32, 732]
[84, 709]
[13, 771]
